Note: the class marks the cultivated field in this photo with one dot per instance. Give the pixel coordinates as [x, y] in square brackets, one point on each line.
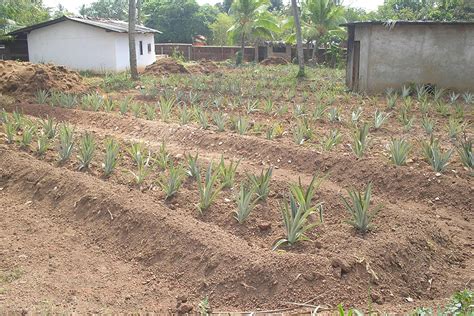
[170, 194]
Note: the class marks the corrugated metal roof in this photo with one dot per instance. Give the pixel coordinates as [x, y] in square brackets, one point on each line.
[403, 22]
[106, 24]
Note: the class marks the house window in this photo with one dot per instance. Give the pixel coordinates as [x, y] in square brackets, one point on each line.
[149, 48]
[141, 47]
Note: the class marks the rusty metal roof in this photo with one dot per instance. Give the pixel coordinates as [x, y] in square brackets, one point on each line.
[106, 24]
[406, 22]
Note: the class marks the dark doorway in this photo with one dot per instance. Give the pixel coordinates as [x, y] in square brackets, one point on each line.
[355, 66]
[262, 53]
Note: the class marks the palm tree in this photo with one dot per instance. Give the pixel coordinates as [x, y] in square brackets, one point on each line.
[323, 17]
[299, 39]
[252, 19]
[132, 21]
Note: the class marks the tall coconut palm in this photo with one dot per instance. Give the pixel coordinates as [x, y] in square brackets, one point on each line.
[252, 19]
[299, 38]
[323, 17]
[132, 21]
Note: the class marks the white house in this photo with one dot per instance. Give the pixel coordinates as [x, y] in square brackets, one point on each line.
[88, 44]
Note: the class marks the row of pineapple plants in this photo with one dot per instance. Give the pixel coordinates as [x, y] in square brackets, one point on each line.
[254, 189]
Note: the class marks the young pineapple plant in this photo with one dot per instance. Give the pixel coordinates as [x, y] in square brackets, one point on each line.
[358, 208]
[163, 157]
[360, 140]
[227, 173]
[202, 118]
[428, 125]
[261, 183]
[27, 135]
[111, 156]
[86, 151]
[380, 118]
[399, 150]
[355, 115]
[392, 100]
[166, 106]
[41, 96]
[124, 104]
[49, 127]
[303, 196]
[10, 129]
[241, 125]
[192, 169]
[295, 221]
[332, 140]
[141, 173]
[334, 115]
[171, 182]
[465, 154]
[319, 111]
[405, 119]
[455, 127]
[136, 109]
[150, 112]
[139, 153]
[42, 143]
[185, 115]
[220, 120]
[207, 190]
[438, 159]
[245, 203]
[108, 104]
[66, 142]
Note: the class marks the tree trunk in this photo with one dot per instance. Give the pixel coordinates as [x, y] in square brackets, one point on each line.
[299, 40]
[132, 21]
[242, 46]
[315, 50]
[139, 12]
[256, 51]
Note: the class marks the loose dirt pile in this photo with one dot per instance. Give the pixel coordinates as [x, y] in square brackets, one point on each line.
[274, 61]
[25, 77]
[203, 67]
[165, 66]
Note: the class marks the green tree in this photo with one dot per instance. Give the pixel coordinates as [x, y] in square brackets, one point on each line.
[179, 20]
[15, 14]
[107, 9]
[252, 19]
[276, 5]
[323, 17]
[60, 10]
[219, 29]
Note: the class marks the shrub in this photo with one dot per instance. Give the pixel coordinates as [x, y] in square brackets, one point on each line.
[438, 159]
[86, 151]
[245, 203]
[111, 155]
[66, 142]
[295, 220]
[171, 183]
[361, 217]
[399, 149]
[360, 140]
[261, 183]
[207, 192]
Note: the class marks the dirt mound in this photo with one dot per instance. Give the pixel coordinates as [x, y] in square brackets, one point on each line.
[25, 77]
[204, 67]
[165, 66]
[274, 61]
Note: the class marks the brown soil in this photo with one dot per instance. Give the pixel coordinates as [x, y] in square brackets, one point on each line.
[421, 247]
[274, 61]
[25, 77]
[165, 66]
[203, 67]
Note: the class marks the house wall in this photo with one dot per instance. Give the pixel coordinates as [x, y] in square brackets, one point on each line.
[84, 47]
[122, 55]
[437, 54]
[74, 45]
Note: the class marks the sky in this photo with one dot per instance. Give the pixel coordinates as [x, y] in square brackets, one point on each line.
[74, 5]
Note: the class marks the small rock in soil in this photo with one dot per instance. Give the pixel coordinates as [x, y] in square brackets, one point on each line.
[264, 226]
